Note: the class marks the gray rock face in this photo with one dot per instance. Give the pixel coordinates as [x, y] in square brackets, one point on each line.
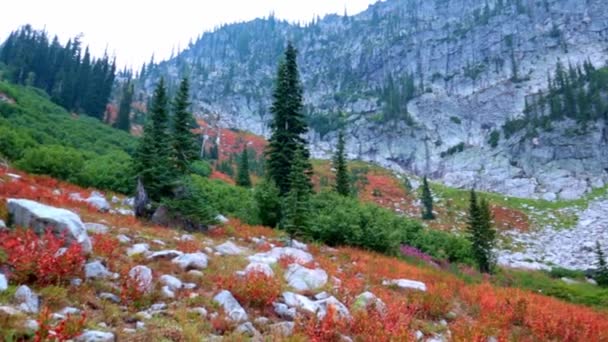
[305, 279]
[473, 72]
[28, 301]
[231, 306]
[39, 217]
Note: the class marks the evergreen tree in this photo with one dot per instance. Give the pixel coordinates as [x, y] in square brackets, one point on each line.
[185, 144]
[268, 200]
[481, 233]
[427, 201]
[288, 124]
[297, 207]
[123, 121]
[242, 174]
[602, 266]
[342, 186]
[152, 160]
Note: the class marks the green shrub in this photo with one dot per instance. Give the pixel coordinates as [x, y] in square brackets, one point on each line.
[559, 272]
[201, 168]
[444, 245]
[191, 206]
[14, 142]
[56, 161]
[112, 171]
[494, 138]
[268, 202]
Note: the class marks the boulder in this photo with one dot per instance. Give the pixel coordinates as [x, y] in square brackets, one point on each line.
[28, 301]
[247, 329]
[406, 284]
[229, 248]
[231, 306]
[282, 329]
[39, 217]
[222, 219]
[197, 261]
[368, 299]
[98, 201]
[341, 309]
[305, 279]
[300, 302]
[284, 311]
[95, 336]
[259, 267]
[2, 224]
[143, 276]
[110, 297]
[138, 248]
[166, 292]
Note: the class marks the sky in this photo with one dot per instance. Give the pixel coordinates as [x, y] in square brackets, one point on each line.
[133, 30]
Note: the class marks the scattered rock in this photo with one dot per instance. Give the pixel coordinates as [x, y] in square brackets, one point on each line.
[273, 256]
[259, 267]
[341, 309]
[405, 284]
[143, 276]
[168, 254]
[40, 217]
[110, 297]
[222, 219]
[284, 311]
[171, 282]
[123, 238]
[305, 279]
[166, 292]
[2, 224]
[139, 248]
[31, 325]
[231, 306]
[196, 273]
[98, 201]
[261, 321]
[95, 336]
[190, 261]
[75, 282]
[96, 270]
[229, 248]
[28, 301]
[298, 301]
[299, 245]
[96, 228]
[9, 310]
[199, 311]
[247, 329]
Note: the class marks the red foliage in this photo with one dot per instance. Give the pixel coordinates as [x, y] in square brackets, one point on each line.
[392, 324]
[506, 218]
[64, 330]
[106, 246]
[221, 176]
[187, 246]
[42, 260]
[132, 288]
[256, 290]
[328, 329]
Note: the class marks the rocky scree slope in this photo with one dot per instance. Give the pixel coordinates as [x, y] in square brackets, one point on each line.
[423, 85]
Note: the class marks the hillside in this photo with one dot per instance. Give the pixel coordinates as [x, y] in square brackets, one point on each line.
[178, 289]
[426, 87]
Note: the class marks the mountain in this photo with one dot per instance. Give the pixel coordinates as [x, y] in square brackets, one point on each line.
[425, 87]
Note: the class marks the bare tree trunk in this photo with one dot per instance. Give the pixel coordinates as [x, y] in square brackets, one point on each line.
[141, 200]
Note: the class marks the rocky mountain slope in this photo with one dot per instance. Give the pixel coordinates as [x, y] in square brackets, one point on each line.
[423, 85]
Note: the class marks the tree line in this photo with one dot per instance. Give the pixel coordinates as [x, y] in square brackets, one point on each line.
[73, 78]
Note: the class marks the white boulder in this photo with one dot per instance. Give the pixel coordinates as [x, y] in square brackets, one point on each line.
[305, 279]
[231, 306]
[190, 261]
[406, 284]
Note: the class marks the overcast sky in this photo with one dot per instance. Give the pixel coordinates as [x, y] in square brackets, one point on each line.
[134, 29]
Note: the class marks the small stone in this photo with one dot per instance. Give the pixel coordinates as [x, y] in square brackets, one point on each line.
[31, 325]
[283, 311]
[158, 307]
[28, 300]
[191, 261]
[231, 306]
[9, 310]
[229, 248]
[166, 255]
[140, 325]
[247, 329]
[129, 331]
[167, 293]
[189, 286]
[221, 219]
[76, 282]
[159, 242]
[259, 267]
[143, 276]
[171, 282]
[322, 295]
[2, 224]
[96, 270]
[419, 335]
[187, 237]
[3, 283]
[138, 248]
[196, 273]
[96, 228]
[299, 245]
[261, 321]
[122, 238]
[110, 297]
[199, 311]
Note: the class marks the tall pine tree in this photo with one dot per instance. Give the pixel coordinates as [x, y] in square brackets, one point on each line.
[242, 174]
[153, 162]
[288, 124]
[342, 186]
[185, 143]
[481, 233]
[123, 121]
[297, 206]
[427, 201]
